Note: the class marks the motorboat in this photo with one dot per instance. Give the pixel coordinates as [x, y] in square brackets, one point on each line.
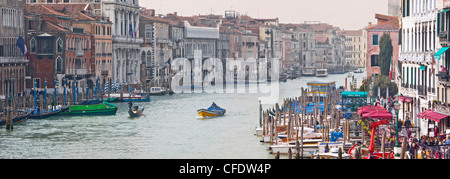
[212, 111]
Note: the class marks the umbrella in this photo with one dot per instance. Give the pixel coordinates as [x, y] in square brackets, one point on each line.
[378, 114]
[367, 109]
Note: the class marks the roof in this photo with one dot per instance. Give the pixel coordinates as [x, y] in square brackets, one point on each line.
[42, 9]
[153, 18]
[47, 26]
[200, 32]
[351, 32]
[385, 22]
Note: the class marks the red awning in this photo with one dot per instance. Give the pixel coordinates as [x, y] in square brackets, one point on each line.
[421, 114]
[430, 114]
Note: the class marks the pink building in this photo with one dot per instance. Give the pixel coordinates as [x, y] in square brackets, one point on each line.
[385, 24]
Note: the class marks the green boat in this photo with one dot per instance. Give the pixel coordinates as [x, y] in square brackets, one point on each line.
[91, 110]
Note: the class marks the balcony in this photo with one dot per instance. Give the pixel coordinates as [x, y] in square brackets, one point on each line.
[421, 90]
[443, 77]
[444, 36]
[80, 72]
[79, 53]
[162, 40]
[126, 39]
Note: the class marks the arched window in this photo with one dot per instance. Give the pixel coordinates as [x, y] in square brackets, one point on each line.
[59, 45]
[149, 59]
[143, 57]
[59, 65]
[33, 45]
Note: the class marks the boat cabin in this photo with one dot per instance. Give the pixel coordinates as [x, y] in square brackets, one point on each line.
[320, 88]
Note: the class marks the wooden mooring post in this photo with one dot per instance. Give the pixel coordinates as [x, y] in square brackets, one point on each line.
[9, 122]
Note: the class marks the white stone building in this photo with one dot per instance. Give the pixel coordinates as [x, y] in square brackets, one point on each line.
[124, 14]
[419, 43]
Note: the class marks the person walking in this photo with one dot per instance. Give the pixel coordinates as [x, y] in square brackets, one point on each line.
[412, 150]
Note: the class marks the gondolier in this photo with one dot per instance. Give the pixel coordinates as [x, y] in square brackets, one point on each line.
[134, 111]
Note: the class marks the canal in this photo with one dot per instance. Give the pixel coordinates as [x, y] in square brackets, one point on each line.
[171, 129]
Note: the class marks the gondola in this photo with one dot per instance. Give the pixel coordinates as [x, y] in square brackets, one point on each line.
[47, 114]
[134, 111]
[20, 117]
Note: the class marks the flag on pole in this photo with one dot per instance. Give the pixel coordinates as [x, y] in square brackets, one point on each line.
[390, 70]
[23, 47]
[131, 30]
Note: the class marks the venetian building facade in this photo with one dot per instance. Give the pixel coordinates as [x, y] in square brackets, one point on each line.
[124, 15]
[355, 48]
[12, 61]
[419, 45]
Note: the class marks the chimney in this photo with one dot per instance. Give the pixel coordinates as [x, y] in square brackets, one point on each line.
[370, 25]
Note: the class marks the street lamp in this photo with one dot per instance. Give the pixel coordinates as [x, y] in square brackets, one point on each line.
[397, 148]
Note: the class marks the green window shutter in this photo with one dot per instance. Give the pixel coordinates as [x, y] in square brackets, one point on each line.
[375, 39]
[407, 75]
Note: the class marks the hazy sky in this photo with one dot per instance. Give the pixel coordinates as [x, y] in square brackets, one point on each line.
[346, 14]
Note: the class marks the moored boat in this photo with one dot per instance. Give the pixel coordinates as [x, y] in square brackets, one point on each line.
[91, 110]
[157, 91]
[20, 117]
[115, 98]
[46, 114]
[213, 111]
[322, 73]
[310, 147]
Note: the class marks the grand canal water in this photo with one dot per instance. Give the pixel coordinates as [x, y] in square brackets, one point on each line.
[171, 130]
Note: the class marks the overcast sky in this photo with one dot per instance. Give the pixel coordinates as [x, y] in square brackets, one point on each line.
[346, 14]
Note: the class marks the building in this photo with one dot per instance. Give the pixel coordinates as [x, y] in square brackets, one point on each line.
[385, 25]
[58, 50]
[101, 29]
[328, 48]
[441, 36]
[355, 48]
[157, 48]
[13, 60]
[126, 45]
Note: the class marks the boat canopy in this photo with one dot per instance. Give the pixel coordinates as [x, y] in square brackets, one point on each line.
[354, 94]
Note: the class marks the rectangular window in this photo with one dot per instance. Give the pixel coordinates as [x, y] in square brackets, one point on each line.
[375, 39]
[374, 60]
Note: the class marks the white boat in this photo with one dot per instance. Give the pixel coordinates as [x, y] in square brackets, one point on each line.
[333, 154]
[332, 146]
[157, 91]
[308, 72]
[307, 134]
[310, 147]
[321, 72]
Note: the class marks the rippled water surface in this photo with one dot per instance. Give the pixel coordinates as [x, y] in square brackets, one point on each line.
[171, 129]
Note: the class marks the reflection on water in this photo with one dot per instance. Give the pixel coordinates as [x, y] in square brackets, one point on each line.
[170, 130]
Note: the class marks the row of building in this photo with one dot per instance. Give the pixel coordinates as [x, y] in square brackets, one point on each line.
[419, 30]
[118, 41]
[425, 60]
